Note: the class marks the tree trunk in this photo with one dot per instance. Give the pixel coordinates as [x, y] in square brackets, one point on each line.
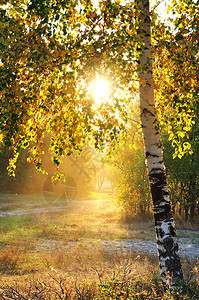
[167, 244]
[181, 199]
[192, 196]
[192, 210]
[186, 212]
[174, 208]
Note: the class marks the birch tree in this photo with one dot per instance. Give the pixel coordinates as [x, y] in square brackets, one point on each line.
[167, 244]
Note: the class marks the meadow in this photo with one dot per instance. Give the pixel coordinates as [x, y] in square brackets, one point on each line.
[51, 252]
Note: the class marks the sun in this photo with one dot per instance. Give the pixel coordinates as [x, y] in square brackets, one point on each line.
[100, 90]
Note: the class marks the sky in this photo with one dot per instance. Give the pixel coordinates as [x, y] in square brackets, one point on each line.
[161, 8]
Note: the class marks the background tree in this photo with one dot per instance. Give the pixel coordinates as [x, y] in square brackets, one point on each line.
[183, 177]
[176, 80]
[176, 72]
[24, 170]
[129, 174]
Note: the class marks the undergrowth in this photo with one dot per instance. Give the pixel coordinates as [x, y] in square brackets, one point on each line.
[124, 282]
[55, 286]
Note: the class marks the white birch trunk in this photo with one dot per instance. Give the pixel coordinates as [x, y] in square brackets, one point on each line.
[164, 224]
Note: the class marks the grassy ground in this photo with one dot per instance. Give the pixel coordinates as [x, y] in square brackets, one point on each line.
[93, 219]
[51, 253]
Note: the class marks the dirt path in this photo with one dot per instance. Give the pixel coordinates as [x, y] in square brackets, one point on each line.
[188, 248]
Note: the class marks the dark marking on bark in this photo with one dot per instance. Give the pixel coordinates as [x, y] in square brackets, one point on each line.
[160, 232]
[171, 256]
[159, 145]
[166, 193]
[146, 111]
[147, 19]
[169, 245]
[149, 154]
[162, 212]
[162, 253]
[161, 208]
[160, 162]
[173, 266]
[172, 230]
[155, 170]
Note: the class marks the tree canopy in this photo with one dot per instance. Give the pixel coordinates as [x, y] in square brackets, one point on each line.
[50, 51]
[176, 73]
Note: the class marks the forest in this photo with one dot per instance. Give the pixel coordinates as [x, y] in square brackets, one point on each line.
[97, 98]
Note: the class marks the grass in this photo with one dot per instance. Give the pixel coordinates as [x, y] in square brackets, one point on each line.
[59, 254]
[83, 220]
